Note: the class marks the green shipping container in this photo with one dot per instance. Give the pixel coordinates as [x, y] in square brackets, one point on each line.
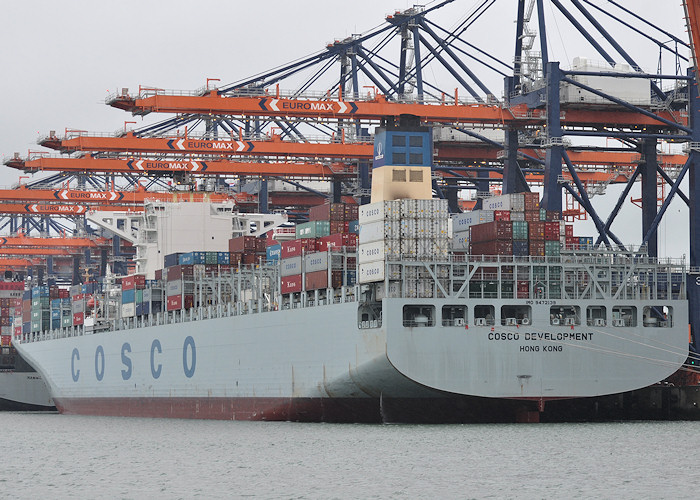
[41, 315]
[539, 272]
[211, 258]
[40, 326]
[313, 229]
[543, 214]
[520, 230]
[41, 302]
[552, 248]
[139, 296]
[67, 320]
[555, 290]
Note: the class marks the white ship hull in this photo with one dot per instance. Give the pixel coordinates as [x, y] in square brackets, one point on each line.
[315, 363]
[23, 391]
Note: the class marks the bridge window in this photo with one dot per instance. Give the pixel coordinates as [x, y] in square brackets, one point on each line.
[484, 315]
[398, 159]
[415, 141]
[596, 316]
[398, 140]
[516, 315]
[454, 315]
[565, 315]
[418, 315]
[657, 316]
[398, 175]
[624, 316]
[415, 158]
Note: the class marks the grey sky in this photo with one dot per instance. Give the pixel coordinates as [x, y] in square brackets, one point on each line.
[60, 59]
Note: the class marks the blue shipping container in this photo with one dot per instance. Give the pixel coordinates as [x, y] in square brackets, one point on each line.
[520, 248]
[55, 314]
[354, 226]
[172, 259]
[186, 259]
[273, 252]
[224, 257]
[55, 323]
[40, 291]
[128, 296]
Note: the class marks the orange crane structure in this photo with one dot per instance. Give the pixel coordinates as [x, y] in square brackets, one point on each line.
[237, 138]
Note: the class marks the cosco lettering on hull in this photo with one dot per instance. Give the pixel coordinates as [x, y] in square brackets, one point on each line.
[189, 361]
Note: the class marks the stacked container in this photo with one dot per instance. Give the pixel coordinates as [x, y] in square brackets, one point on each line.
[401, 229]
[41, 309]
[10, 308]
[180, 287]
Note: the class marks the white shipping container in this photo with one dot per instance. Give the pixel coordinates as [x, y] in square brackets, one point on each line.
[432, 209]
[460, 241]
[411, 272]
[442, 247]
[174, 288]
[514, 202]
[78, 306]
[147, 295]
[290, 266]
[411, 289]
[380, 230]
[371, 271]
[409, 228]
[393, 271]
[520, 216]
[379, 211]
[408, 248]
[392, 291]
[409, 208]
[461, 222]
[425, 288]
[379, 250]
[317, 261]
[128, 310]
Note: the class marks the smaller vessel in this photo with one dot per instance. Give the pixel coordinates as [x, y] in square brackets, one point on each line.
[21, 387]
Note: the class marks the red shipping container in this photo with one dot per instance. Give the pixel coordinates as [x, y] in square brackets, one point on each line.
[5, 312]
[174, 303]
[328, 211]
[337, 241]
[251, 258]
[188, 300]
[569, 230]
[242, 244]
[78, 318]
[4, 302]
[496, 230]
[180, 272]
[551, 231]
[523, 291]
[260, 244]
[293, 248]
[235, 259]
[338, 226]
[501, 215]
[532, 201]
[537, 248]
[319, 279]
[18, 331]
[553, 215]
[532, 216]
[159, 274]
[352, 212]
[536, 230]
[493, 247]
[291, 284]
[5, 321]
[11, 285]
[5, 339]
[137, 281]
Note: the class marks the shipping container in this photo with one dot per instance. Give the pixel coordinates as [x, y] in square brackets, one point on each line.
[313, 229]
[371, 271]
[551, 231]
[172, 259]
[328, 212]
[295, 248]
[223, 258]
[461, 222]
[314, 262]
[128, 310]
[460, 241]
[531, 201]
[520, 230]
[514, 202]
[552, 248]
[375, 231]
[354, 226]
[78, 318]
[174, 287]
[273, 252]
[290, 266]
[532, 216]
[379, 211]
[129, 296]
[389, 249]
[536, 230]
[134, 281]
[338, 226]
[537, 248]
[496, 230]
[492, 247]
[291, 284]
[174, 303]
[337, 241]
[521, 248]
[242, 244]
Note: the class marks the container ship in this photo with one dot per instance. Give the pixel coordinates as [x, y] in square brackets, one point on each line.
[21, 387]
[392, 311]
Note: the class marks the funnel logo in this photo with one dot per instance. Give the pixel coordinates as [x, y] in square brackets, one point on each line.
[379, 151]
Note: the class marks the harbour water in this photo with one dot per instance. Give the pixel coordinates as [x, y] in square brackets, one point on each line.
[61, 456]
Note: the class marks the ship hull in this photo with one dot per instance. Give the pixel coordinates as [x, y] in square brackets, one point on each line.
[316, 364]
[24, 391]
